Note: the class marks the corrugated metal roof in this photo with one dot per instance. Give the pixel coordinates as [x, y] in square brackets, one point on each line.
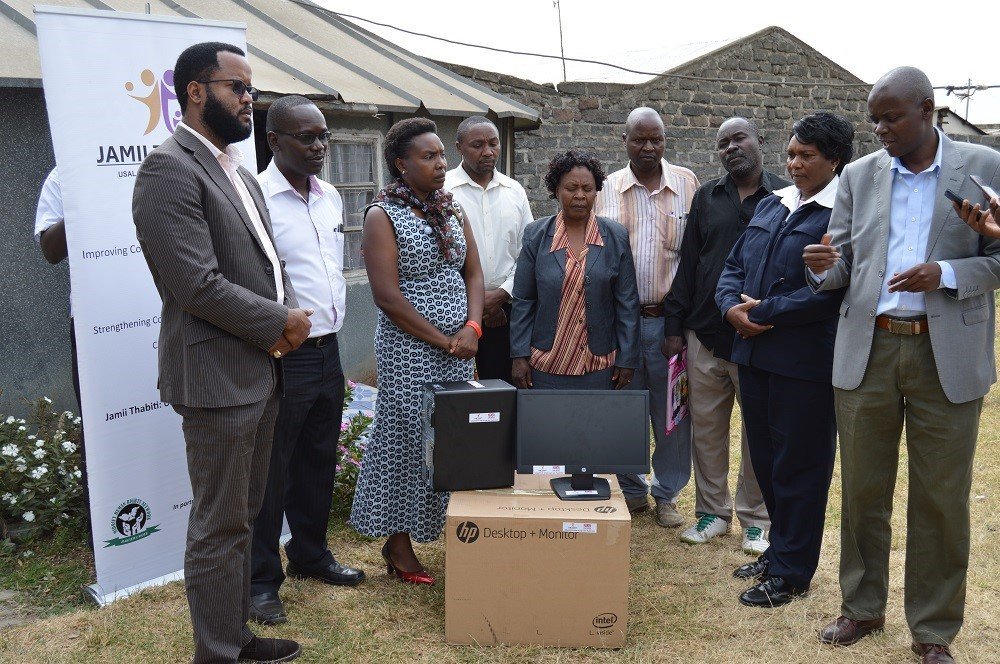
[294, 46]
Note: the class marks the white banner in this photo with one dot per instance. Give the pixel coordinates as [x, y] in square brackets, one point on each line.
[108, 80]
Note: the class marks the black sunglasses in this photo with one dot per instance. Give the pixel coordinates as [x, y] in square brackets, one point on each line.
[307, 139]
[239, 87]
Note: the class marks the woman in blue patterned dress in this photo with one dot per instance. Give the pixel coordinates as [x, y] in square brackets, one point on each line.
[427, 282]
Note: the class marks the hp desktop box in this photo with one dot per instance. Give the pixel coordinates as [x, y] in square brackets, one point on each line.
[468, 429]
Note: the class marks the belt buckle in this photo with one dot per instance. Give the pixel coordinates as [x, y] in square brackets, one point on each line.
[901, 326]
[321, 341]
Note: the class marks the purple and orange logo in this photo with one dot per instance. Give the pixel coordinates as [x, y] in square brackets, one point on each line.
[158, 99]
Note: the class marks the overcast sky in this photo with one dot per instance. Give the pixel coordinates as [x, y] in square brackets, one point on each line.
[867, 38]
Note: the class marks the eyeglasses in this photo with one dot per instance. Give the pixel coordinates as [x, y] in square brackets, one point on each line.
[239, 87]
[307, 139]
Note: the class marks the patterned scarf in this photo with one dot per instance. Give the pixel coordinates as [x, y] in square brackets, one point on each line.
[438, 208]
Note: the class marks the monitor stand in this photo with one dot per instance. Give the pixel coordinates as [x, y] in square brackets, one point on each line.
[581, 486]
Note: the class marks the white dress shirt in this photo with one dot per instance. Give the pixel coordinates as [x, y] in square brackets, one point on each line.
[497, 216]
[230, 161]
[50, 205]
[310, 239]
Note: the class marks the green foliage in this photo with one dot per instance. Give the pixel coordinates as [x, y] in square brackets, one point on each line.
[40, 477]
[353, 437]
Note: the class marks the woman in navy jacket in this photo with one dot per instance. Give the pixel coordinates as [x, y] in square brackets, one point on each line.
[784, 346]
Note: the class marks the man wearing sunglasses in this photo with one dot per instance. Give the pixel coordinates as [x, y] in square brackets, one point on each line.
[307, 216]
[229, 315]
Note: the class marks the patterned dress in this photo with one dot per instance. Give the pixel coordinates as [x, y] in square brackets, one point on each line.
[392, 495]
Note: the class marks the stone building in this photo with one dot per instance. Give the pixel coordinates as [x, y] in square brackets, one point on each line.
[770, 76]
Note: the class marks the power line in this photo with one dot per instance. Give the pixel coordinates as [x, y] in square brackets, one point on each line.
[710, 79]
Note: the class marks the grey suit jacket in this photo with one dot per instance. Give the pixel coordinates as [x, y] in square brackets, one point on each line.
[961, 321]
[220, 313]
[610, 293]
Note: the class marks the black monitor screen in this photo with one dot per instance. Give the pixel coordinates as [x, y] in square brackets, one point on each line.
[602, 431]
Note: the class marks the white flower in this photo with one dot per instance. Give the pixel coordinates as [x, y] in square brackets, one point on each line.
[76, 420]
[10, 450]
[22, 428]
[39, 443]
[67, 413]
[39, 453]
[8, 498]
[32, 436]
[77, 474]
[20, 467]
[47, 400]
[9, 420]
[28, 516]
[37, 473]
[69, 447]
[52, 500]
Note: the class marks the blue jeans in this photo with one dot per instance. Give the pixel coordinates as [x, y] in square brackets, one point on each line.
[671, 454]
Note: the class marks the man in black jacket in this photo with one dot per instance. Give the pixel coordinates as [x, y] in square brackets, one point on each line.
[719, 215]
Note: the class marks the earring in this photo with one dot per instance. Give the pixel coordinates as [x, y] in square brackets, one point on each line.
[403, 174]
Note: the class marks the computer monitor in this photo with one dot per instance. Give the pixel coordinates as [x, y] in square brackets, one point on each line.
[582, 432]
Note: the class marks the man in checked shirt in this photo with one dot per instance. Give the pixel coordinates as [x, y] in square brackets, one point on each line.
[651, 198]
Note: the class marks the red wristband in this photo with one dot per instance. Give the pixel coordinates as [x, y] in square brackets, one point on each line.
[475, 328]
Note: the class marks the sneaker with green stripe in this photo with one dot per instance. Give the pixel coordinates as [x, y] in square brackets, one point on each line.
[708, 526]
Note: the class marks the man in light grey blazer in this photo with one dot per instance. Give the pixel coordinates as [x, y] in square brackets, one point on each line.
[915, 347]
[229, 315]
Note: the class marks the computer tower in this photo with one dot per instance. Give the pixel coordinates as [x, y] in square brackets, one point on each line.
[468, 430]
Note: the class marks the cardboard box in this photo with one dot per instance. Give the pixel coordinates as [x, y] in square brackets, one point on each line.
[523, 567]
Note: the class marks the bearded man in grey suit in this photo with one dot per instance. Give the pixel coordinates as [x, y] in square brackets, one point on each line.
[229, 315]
[915, 347]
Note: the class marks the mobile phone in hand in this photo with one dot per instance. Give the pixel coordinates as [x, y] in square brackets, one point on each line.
[952, 196]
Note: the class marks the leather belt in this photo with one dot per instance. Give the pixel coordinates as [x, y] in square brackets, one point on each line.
[319, 342]
[903, 326]
[651, 311]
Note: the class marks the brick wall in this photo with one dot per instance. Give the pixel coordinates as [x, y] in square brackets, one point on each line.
[591, 116]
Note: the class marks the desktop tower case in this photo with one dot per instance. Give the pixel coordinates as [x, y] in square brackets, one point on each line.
[468, 432]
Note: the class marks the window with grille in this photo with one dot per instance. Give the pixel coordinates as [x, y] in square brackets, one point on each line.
[354, 167]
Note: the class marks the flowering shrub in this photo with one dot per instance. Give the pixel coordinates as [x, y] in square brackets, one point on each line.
[353, 437]
[40, 476]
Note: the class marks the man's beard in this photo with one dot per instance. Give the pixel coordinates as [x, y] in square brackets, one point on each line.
[227, 127]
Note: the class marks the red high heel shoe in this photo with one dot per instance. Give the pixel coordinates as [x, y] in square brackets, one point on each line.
[421, 577]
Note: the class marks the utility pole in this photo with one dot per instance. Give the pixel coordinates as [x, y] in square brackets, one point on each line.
[967, 100]
[562, 51]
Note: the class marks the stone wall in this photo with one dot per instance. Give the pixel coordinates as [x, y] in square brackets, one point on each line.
[694, 100]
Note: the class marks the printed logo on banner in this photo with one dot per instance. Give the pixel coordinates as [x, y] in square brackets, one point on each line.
[157, 99]
[467, 532]
[131, 523]
[605, 509]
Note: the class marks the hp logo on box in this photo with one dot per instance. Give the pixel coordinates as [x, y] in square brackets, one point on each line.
[467, 532]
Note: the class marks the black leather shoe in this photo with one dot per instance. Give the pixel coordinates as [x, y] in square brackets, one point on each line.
[755, 570]
[270, 650]
[334, 574]
[772, 591]
[266, 609]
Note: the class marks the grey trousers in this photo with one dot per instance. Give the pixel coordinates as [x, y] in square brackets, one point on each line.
[672, 453]
[714, 384]
[901, 386]
[228, 450]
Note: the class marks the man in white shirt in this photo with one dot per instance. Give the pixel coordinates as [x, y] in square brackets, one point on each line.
[497, 209]
[307, 219]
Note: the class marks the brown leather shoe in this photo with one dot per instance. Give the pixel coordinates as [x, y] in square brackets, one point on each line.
[933, 653]
[845, 632]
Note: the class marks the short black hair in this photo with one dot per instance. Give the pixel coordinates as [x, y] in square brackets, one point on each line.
[564, 163]
[469, 123]
[832, 135]
[197, 63]
[278, 111]
[400, 136]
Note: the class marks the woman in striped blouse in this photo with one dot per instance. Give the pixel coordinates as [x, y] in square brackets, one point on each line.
[575, 315]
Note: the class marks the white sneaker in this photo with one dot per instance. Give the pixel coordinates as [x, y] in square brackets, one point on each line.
[708, 526]
[754, 542]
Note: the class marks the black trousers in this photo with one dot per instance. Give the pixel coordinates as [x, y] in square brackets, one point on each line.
[83, 450]
[493, 357]
[792, 437]
[303, 465]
